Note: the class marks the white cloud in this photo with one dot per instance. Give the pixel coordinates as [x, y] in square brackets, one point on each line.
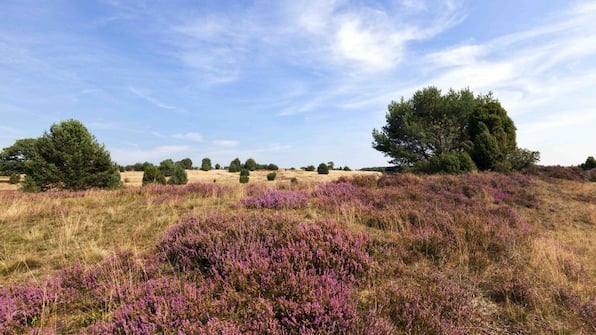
[226, 143]
[147, 96]
[195, 137]
[133, 155]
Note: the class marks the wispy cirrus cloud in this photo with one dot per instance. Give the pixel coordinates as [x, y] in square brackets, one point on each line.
[146, 95]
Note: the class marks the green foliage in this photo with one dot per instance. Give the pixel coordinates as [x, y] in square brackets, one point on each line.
[244, 179]
[492, 133]
[206, 164]
[186, 163]
[453, 163]
[250, 164]
[294, 180]
[323, 169]
[272, 167]
[153, 175]
[589, 164]
[244, 172]
[331, 165]
[166, 167]
[179, 176]
[217, 166]
[346, 168]
[29, 185]
[309, 168]
[69, 157]
[271, 176]
[424, 126]
[235, 165]
[14, 159]
[14, 178]
[522, 159]
[431, 124]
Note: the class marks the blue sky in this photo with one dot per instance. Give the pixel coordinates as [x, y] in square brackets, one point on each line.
[290, 82]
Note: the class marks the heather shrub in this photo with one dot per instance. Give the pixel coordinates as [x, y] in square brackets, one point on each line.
[323, 169]
[304, 272]
[427, 303]
[271, 176]
[24, 306]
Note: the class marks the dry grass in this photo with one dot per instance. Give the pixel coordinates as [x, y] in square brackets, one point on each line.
[135, 178]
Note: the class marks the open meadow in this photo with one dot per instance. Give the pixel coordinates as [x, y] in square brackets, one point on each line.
[479, 253]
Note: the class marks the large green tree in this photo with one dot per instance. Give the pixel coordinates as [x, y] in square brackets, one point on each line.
[69, 157]
[431, 125]
[14, 159]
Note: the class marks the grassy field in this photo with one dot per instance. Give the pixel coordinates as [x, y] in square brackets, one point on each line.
[474, 254]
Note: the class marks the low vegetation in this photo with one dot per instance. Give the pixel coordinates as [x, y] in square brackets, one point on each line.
[473, 253]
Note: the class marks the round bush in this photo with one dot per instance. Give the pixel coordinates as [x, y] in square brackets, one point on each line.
[244, 179]
[244, 172]
[323, 169]
[271, 176]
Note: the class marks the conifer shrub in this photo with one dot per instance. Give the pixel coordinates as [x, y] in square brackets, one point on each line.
[244, 172]
[29, 185]
[153, 175]
[309, 168]
[179, 176]
[271, 176]
[272, 167]
[323, 169]
[244, 179]
[14, 178]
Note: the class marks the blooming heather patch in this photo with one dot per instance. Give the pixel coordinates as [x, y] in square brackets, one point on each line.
[333, 196]
[274, 199]
[22, 306]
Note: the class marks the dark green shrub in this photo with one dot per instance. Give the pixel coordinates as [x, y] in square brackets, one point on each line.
[589, 164]
[323, 169]
[523, 159]
[166, 167]
[271, 176]
[153, 175]
[29, 185]
[244, 172]
[309, 168]
[244, 179]
[179, 177]
[453, 163]
[186, 163]
[206, 164]
[217, 166]
[235, 165]
[347, 168]
[272, 167]
[14, 178]
[250, 164]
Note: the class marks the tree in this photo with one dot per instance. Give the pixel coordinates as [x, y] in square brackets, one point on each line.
[179, 176]
[589, 164]
[250, 164]
[166, 167]
[433, 125]
[206, 164]
[14, 159]
[331, 165]
[186, 163]
[272, 167]
[153, 175]
[217, 166]
[309, 168]
[69, 157]
[235, 165]
[271, 176]
[323, 169]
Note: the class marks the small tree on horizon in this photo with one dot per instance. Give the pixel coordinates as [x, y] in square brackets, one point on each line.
[206, 164]
[323, 169]
[153, 175]
[250, 164]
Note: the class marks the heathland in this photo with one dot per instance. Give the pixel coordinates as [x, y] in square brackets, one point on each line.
[478, 253]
